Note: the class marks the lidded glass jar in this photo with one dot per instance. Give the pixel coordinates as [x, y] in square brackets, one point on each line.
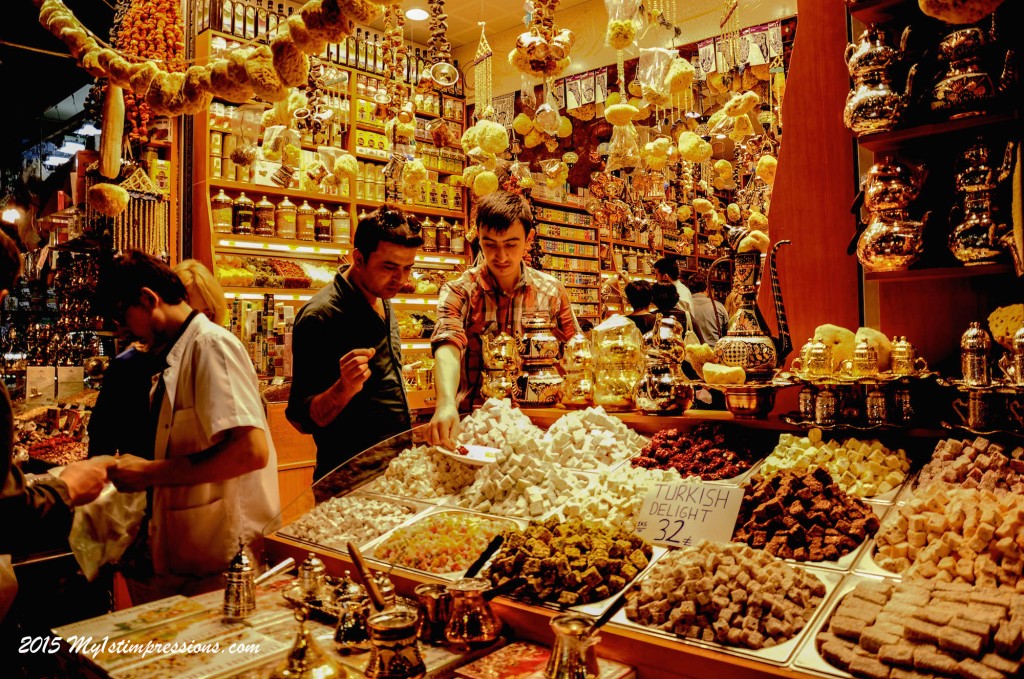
[243, 213]
[975, 347]
[341, 226]
[285, 217]
[263, 224]
[458, 238]
[322, 225]
[223, 213]
[429, 233]
[444, 236]
[619, 363]
[305, 222]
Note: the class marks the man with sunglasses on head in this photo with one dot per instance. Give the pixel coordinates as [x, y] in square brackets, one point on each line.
[347, 388]
[492, 297]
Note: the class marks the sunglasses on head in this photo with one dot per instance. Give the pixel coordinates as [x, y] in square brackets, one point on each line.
[394, 219]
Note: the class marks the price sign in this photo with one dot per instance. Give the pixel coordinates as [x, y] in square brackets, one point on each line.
[683, 514]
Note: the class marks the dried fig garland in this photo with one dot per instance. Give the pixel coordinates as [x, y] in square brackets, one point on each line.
[267, 71]
[396, 56]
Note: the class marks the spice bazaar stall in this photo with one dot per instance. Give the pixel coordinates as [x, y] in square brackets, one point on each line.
[840, 517]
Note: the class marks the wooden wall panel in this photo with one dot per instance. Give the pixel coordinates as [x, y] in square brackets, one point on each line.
[815, 184]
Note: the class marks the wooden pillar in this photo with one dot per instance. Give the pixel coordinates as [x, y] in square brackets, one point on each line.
[815, 183]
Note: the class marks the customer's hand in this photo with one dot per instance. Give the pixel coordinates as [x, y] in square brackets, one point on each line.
[443, 429]
[132, 474]
[355, 369]
[85, 480]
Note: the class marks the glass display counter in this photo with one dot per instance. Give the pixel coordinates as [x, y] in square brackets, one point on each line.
[424, 517]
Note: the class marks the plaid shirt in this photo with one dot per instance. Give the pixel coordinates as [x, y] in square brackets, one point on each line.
[474, 305]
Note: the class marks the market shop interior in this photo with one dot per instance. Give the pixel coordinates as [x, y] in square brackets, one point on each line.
[445, 338]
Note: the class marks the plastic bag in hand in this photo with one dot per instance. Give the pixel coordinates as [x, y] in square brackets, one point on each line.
[103, 529]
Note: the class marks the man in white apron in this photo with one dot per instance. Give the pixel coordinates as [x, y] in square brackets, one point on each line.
[214, 472]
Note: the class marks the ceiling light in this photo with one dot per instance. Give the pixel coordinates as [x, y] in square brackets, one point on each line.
[11, 215]
[416, 14]
[88, 130]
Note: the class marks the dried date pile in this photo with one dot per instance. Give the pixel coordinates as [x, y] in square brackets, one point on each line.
[803, 516]
[709, 451]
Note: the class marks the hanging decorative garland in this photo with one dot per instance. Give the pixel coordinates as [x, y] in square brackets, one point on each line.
[265, 71]
[541, 51]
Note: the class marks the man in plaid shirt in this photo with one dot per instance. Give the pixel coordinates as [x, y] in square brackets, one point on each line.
[492, 297]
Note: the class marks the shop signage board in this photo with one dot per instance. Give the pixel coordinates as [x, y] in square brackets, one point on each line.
[683, 514]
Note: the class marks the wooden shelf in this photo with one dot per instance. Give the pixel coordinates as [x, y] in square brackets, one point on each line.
[279, 247]
[559, 222]
[364, 156]
[570, 254]
[360, 125]
[882, 142]
[555, 268]
[415, 209]
[297, 294]
[261, 189]
[566, 238]
[881, 11]
[627, 243]
[567, 206]
[575, 285]
[937, 273]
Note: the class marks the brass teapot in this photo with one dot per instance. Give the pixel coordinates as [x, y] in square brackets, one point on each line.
[892, 185]
[977, 234]
[891, 241]
[538, 345]
[746, 343]
[873, 104]
[965, 89]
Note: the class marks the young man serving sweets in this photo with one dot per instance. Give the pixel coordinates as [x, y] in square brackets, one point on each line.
[492, 297]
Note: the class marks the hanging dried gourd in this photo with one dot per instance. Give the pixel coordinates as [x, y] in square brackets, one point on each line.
[148, 64]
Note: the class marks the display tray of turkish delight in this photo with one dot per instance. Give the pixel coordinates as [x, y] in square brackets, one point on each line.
[573, 564]
[950, 533]
[882, 627]
[865, 469]
[357, 517]
[729, 598]
[979, 464]
[711, 451]
[423, 474]
[441, 542]
[805, 517]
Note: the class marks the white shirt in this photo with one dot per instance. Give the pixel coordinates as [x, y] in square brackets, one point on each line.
[685, 298]
[211, 387]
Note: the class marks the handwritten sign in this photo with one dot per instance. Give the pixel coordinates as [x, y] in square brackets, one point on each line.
[683, 514]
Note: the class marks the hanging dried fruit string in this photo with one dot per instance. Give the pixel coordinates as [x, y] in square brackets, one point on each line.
[151, 29]
[395, 56]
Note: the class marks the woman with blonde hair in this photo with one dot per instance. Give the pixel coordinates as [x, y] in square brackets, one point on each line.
[205, 294]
